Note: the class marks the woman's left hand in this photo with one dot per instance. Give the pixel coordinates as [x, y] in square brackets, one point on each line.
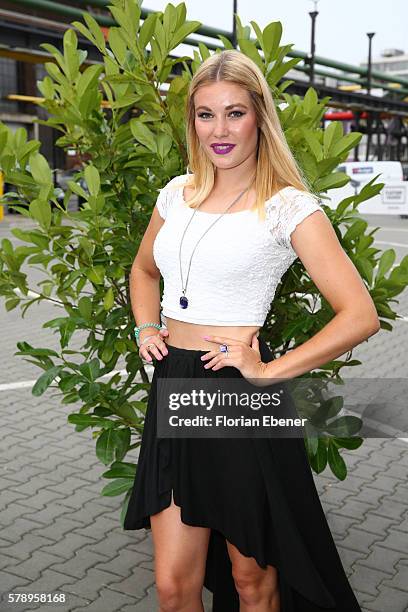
[247, 359]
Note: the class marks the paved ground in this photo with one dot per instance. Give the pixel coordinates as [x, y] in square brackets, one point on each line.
[58, 535]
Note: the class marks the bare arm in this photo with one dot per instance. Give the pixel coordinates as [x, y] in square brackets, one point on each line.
[144, 283]
[334, 274]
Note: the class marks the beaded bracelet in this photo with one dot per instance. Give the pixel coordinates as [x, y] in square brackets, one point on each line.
[138, 329]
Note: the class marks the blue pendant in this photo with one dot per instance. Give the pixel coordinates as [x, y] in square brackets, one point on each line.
[183, 302]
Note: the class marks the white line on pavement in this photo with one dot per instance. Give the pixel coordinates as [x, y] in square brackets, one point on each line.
[25, 384]
[388, 243]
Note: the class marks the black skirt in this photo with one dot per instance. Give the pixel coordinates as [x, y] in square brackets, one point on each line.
[257, 493]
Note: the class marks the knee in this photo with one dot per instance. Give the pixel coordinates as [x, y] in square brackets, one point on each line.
[255, 588]
[175, 594]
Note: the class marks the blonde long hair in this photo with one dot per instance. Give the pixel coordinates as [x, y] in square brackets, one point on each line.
[276, 165]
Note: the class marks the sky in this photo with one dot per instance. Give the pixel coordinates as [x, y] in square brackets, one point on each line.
[341, 25]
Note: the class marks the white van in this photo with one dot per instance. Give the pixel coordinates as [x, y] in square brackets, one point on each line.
[393, 198]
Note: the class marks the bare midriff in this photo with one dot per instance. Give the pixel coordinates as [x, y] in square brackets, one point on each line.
[190, 335]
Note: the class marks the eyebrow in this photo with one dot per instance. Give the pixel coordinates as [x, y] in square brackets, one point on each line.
[226, 108]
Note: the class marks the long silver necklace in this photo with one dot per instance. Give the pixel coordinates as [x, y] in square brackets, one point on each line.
[183, 298]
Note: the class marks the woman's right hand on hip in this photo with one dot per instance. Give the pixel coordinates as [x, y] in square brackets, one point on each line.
[152, 345]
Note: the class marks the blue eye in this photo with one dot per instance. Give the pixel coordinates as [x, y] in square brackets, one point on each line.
[240, 113]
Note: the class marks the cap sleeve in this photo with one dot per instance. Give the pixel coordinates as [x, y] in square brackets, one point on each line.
[167, 195]
[292, 208]
[162, 202]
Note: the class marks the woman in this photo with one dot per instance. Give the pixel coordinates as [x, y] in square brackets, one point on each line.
[241, 516]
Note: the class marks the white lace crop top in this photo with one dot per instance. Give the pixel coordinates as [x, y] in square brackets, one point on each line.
[237, 265]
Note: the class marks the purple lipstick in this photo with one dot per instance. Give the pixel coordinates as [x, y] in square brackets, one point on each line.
[222, 148]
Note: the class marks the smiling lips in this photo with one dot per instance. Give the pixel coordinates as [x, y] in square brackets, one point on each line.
[222, 149]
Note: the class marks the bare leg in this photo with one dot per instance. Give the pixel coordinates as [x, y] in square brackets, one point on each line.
[257, 588]
[180, 558]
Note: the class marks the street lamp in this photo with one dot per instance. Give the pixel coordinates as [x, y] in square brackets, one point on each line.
[369, 119]
[311, 57]
[370, 37]
[234, 28]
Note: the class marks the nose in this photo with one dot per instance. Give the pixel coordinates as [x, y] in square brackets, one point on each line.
[220, 127]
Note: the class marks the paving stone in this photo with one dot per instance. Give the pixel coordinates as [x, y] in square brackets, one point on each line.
[354, 508]
[384, 482]
[379, 460]
[390, 599]
[77, 500]
[352, 484]
[390, 508]
[49, 513]
[370, 495]
[348, 556]
[67, 546]
[377, 524]
[126, 562]
[20, 529]
[90, 511]
[400, 579]
[9, 584]
[34, 565]
[57, 529]
[136, 584]
[340, 524]
[108, 601]
[104, 547]
[24, 474]
[365, 471]
[8, 496]
[42, 499]
[394, 541]
[14, 511]
[63, 603]
[78, 565]
[360, 540]
[90, 585]
[97, 529]
[367, 579]
[383, 559]
[394, 449]
[334, 495]
[145, 545]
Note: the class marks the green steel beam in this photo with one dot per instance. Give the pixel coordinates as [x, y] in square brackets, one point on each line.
[64, 9]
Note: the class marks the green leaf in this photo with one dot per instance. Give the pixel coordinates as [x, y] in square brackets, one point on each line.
[332, 181]
[105, 446]
[147, 29]
[386, 261]
[40, 210]
[331, 135]
[93, 180]
[85, 307]
[349, 443]
[272, 35]
[121, 469]
[185, 30]
[336, 462]
[142, 134]
[117, 487]
[40, 169]
[96, 275]
[345, 426]
[249, 48]
[349, 141]
[45, 380]
[12, 303]
[109, 299]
